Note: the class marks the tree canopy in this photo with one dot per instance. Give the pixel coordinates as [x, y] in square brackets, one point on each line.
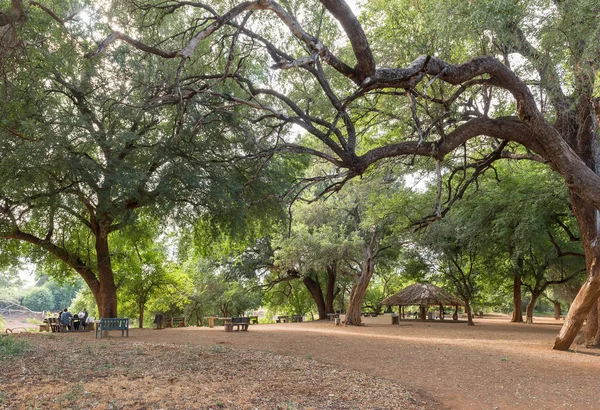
[461, 84]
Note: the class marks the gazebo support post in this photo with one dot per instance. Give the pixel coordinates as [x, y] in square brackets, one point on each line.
[423, 313]
[455, 315]
[441, 312]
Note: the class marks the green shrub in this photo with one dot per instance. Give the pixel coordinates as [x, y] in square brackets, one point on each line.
[38, 299]
[11, 346]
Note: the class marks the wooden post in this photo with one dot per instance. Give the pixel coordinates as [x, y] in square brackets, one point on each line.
[455, 315]
[423, 313]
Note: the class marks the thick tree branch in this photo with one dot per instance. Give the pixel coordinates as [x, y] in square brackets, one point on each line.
[360, 45]
[70, 259]
[504, 129]
[559, 252]
[549, 78]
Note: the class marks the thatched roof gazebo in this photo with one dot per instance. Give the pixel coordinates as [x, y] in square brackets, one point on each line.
[423, 295]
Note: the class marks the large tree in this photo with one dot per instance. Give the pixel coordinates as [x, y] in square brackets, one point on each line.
[346, 235]
[463, 89]
[87, 144]
[526, 228]
[509, 229]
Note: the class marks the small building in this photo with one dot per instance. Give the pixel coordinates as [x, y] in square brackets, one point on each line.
[424, 295]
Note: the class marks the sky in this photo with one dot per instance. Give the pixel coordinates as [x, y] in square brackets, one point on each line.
[27, 274]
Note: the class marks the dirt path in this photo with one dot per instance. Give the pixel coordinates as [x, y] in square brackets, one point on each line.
[495, 364]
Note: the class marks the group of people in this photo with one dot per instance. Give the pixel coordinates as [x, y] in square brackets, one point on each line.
[66, 318]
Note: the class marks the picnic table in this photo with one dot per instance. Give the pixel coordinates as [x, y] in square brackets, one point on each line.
[75, 325]
[240, 322]
[283, 319]
[53, 323]
[78, 325]
[211, 321]
[331, 316]
[176, 322]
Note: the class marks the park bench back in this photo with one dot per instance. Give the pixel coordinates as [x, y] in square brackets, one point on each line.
[176, 322]
[120, 323]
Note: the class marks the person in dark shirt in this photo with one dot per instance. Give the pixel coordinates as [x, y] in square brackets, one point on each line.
[65, 318]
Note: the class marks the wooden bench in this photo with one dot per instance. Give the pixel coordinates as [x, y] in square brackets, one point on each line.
[54, 324]
[240, 322]
[121, 324]
[297, 318]
[254, 319]
[176, 322]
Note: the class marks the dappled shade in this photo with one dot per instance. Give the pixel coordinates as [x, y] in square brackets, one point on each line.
[422, 294]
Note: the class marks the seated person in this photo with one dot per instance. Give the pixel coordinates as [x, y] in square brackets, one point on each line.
[65, 318]
[83, 315]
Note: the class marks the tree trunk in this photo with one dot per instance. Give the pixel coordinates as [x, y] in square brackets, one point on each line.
[587, 219]
[530, 306]
[596, 341]
[141, 317]
[517, 315]
[557, 310]
[330, 289]
[355, 300]
[591, 328]
[469, 313]
[314, 288]
[107, 294]
[585, 143]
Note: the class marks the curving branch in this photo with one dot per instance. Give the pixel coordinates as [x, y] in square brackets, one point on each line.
[67, 257]
[549, 77]
[559, 252]
[360, 45]
[504, 129]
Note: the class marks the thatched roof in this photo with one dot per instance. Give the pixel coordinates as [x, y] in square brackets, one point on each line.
[422, 294]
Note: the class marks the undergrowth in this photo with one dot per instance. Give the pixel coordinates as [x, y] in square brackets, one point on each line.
[11, 346]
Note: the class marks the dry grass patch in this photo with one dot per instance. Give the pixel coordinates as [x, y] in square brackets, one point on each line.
[64, 371]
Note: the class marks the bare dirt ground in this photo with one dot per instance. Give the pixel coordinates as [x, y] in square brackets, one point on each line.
[22, 322]
[314, 365]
